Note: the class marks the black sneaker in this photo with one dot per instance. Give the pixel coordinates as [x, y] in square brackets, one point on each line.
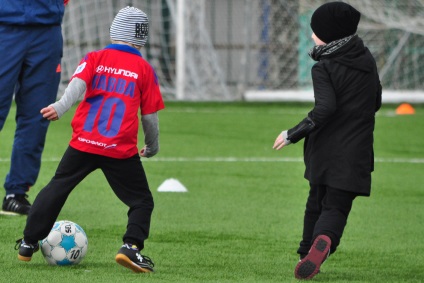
[129, 257]
[25, 250]
[17, 204]
[309, 266]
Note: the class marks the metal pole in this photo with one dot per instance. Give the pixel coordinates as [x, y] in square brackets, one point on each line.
[181, 48]
[245, 58]
[394, 55]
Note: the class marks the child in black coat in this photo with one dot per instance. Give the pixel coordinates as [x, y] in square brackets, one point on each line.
[338, 131]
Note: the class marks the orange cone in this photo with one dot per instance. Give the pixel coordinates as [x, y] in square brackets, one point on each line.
[405, 109]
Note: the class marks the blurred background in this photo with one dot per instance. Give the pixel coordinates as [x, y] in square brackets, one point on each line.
[232, 50]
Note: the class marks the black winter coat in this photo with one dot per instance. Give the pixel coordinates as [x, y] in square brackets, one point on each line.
[338, 151]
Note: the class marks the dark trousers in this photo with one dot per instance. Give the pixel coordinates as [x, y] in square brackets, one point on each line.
[126, 178]
[327, 210]
[30, 72]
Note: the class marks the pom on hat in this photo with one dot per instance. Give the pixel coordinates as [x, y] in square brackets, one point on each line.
[335, 20]
[130, 25]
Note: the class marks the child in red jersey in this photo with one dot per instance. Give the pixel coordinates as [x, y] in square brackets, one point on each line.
[115, 83]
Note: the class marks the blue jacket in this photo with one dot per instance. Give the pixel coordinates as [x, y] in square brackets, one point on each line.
[31, 12]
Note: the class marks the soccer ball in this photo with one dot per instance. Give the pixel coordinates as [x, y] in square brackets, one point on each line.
[66, 244]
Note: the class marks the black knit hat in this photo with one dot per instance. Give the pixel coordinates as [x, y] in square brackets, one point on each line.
[334, 20]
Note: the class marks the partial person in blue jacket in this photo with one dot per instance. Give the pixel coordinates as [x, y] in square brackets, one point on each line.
[31, 48]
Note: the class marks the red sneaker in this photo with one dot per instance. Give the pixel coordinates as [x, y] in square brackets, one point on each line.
[309, 266]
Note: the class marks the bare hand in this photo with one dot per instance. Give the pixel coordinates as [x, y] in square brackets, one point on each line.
[143, 151]
[49, 113]
[279, 142]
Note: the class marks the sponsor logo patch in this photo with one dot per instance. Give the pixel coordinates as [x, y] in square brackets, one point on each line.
[80, 68]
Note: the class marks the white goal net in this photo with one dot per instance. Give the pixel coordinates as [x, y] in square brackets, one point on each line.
[225, 49]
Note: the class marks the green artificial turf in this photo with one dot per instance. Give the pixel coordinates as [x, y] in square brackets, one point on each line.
[241, 219]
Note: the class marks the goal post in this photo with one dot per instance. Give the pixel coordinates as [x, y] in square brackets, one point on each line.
[229, 50]
[392, 30]
[180, 46]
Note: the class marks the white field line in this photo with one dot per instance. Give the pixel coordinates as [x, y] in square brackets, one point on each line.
[245, 159]
[382, 113]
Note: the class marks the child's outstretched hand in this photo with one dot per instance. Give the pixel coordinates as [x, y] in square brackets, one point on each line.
[49, 113]
[281, 141]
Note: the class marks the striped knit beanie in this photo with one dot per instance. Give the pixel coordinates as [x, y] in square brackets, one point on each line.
[130, 25]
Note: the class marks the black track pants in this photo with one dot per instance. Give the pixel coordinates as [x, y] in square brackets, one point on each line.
[125, 176]
[327, 210]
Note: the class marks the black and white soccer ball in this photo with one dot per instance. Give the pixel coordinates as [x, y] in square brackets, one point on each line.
[66, 244]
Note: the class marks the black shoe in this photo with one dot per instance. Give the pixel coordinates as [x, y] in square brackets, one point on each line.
[25, 250]
[129, 257]
[17, 204]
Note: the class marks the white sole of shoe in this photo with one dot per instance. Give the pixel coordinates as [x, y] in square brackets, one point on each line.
[9, 213]
[126, 262]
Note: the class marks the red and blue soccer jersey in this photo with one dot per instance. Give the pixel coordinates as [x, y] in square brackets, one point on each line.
[119, 83]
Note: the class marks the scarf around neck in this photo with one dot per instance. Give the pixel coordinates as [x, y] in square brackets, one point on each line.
[319, 52]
